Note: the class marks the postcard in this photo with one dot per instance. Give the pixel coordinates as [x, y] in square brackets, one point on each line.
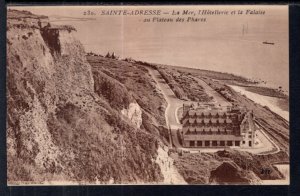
[148, 95]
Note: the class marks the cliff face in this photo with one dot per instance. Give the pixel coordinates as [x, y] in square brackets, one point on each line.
[61, 125]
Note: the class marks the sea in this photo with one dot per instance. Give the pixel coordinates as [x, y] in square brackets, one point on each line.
[225, 44]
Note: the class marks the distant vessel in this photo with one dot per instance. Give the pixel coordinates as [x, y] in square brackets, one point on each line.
[271, 43]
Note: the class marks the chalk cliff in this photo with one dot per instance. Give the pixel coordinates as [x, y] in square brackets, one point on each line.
[63, 122]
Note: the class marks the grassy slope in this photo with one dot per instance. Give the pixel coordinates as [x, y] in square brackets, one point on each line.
[136, 80]
[215, 75]
[185, 87]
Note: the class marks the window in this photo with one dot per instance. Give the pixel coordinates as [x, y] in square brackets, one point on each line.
[192, 143]
[207, 143]
[199, 143]
[237, 143]
[214, 143]
[229, 143]
[222, 143]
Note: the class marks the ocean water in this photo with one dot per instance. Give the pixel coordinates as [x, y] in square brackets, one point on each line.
[241, 55]
[219, 44]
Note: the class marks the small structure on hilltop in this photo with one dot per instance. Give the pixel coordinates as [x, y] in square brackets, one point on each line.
[112, 56]
[211, 126]
[107, 55]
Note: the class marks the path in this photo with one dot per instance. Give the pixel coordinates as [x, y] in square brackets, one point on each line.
[173, 104]
[168, 169]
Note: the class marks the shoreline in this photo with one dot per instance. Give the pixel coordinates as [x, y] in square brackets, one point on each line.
[263, 90]
[268, 101]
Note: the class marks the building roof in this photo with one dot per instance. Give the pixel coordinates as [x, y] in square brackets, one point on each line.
[221, 120]
[213, 120]
[228, 120]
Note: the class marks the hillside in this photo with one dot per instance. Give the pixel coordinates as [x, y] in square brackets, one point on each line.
[67, 121]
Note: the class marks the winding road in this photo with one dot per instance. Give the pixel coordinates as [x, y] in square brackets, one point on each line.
[173, 104]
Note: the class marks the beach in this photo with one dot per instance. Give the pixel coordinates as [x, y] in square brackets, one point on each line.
[270, 102]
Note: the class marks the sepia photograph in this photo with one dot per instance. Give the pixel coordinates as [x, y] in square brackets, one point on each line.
[148, 95]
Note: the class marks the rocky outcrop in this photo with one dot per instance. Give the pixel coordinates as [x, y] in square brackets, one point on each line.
[134, 113]
[64, 121]
[169, 171]
[228, 173]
